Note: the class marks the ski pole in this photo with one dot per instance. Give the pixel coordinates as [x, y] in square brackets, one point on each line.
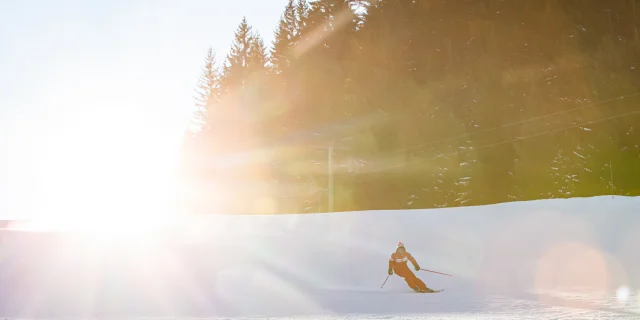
[437, 272]
[385, 281]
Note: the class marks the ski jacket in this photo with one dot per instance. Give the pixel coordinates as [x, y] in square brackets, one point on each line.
[401, 259]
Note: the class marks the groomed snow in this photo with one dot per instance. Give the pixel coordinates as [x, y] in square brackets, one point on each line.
[575, 258]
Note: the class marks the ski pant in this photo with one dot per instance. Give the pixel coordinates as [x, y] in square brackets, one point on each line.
[410, 278]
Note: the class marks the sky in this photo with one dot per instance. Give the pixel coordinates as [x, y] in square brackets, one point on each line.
[96, 95]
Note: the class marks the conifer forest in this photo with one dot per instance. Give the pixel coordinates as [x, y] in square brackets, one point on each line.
[409, 104]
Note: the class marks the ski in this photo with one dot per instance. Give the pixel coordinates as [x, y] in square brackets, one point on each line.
[432, 291]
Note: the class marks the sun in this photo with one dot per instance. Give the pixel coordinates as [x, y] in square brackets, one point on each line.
[105, 173]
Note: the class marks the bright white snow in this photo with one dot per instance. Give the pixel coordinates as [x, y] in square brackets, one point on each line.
[575, 258]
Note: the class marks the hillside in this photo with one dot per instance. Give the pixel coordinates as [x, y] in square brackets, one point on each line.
[543, 256]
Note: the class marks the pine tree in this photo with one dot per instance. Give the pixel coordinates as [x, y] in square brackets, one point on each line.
[302, 9]
[235, 67]
[283, 41]
[257, 58]
[570, 170]
[207, 90]
[463, 187]
[562, 177]
[256, 84]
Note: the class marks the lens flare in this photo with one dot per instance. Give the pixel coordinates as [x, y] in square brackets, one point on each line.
[622, 294]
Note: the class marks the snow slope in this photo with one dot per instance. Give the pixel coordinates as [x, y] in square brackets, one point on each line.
[550, 258]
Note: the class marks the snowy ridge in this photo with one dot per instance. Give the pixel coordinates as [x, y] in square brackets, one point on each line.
[548, 258]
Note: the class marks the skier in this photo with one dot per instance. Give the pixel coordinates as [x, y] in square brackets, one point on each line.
[398, 263]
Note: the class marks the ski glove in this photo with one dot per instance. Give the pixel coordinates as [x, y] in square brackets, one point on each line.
[390, 271]
[417, 268]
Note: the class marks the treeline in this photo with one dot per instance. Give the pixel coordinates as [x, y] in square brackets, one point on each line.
[419, 104]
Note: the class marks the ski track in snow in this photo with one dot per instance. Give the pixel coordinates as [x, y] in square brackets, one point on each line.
[548, 259]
